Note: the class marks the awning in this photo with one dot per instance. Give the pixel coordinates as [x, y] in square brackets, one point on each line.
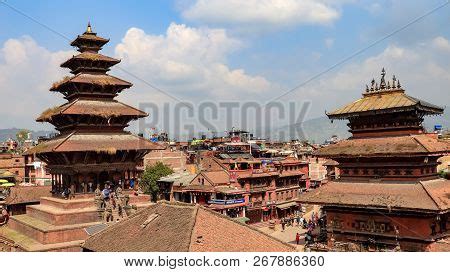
[242, 219]
[286, 205]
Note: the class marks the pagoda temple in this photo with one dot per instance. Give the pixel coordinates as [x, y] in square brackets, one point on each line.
[91, 149]
[92, 146]
[389, 195]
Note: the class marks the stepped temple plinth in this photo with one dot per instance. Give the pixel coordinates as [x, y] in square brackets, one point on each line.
[92, 150]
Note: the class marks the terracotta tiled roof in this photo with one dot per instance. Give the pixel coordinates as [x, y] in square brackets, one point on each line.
[229, 190]
[178, 227]
[90, 56]
[88, 37]
[198, 188]
[105, 142]
[217, 177]
[27, 194]
[430, 195]
[382, 101]
[94, 79]
[92, 107]
[385, 146]
[212, 163]
[291, 173]
[439, 191]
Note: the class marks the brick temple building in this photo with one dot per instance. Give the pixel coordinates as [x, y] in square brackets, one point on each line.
[91, 149]
[388, 195]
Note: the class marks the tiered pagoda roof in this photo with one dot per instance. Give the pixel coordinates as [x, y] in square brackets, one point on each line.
[91, 120]
[390, 160]
[427, 196]
[395, 146]
[102, 108]
[384, 98]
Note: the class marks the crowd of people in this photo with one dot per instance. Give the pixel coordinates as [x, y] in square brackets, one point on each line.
[309, 224]
[69, 191]
[111, 198]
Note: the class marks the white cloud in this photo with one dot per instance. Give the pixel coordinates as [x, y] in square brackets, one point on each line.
[422, 70]
[263, 13]
[329, 42]
[27, 71]
[188, 62]
[441, 43]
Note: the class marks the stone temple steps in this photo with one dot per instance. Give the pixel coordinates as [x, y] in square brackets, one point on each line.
[58, 217]
[57, 224]
[46, 233]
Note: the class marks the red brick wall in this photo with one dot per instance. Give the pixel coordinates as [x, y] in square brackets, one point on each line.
[175, 159]
[14, 164]
[409, 226]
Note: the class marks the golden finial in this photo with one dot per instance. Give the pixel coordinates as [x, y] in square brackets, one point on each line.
[89, 28]
[373, 84]
[383, 81]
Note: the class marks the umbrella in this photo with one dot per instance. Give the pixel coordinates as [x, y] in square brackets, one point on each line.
[7, 174]
[8, 184]
[3, 181]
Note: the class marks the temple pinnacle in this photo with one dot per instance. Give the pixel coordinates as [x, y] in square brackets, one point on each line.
[89, 28]
[383, 81]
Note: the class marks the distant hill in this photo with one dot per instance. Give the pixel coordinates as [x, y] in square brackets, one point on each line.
[320, 129]
[5, 134]
[316, 130]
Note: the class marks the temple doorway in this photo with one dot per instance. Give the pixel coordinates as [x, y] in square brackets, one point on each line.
[102, 179]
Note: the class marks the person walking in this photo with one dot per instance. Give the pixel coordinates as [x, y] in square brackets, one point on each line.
[297, 238]
[283, 224]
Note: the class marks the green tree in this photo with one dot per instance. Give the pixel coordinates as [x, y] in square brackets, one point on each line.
[22, 135]
[150, 177]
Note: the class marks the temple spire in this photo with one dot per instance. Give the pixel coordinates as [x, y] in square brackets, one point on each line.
[372, 88]
[383, 81]
[89, 28]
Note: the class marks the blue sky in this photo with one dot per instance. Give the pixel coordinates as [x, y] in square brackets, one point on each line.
[227, 50]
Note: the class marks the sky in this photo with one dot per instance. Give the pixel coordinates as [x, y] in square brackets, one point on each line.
[227, 50]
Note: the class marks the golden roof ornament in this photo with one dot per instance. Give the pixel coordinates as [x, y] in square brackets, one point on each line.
[89, 28]
[383, 81]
